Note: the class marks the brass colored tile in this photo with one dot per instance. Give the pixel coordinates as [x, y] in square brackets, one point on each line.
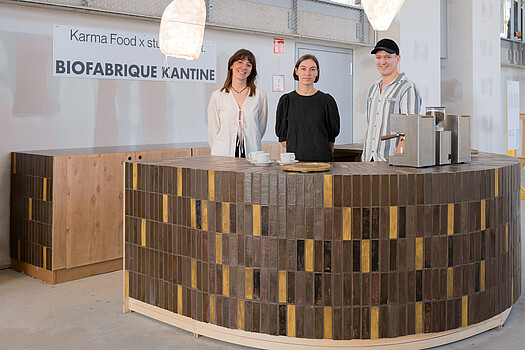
[327, 322]
[347, 224]
[464, 308]
[204, 207]
[248, 280]
[290, 324]
[240, 314]
[419, 318]
[193, 213]
[282, 286]
[328, 192]
[44, 259]
[256, 220]
[218, 248]
[164, 208]
[44, 190]
[225, 217]
[14, 163]
[226, 281]
[135, 176]
[193, 273]
[365, 258]
[213, 319]
[483, 213]
[309, 255]
[393, 222]
[30, 209]
[211, 185]
[450, 223]
[179, 300]
[143, 232]
[496, 182]
[374, 322]
[179, 182]
[419, 253]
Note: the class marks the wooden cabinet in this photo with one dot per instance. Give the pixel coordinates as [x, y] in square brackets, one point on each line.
[66, 219]
[67, 209]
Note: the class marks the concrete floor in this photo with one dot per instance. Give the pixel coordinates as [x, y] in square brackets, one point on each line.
[87, 314]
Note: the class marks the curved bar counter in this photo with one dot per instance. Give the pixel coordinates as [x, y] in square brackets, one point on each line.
[365, 254]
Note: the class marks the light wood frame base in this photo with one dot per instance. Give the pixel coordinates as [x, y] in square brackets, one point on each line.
[65, 275]
[417, 341]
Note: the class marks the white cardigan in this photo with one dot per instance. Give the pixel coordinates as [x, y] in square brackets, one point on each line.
[223, 122]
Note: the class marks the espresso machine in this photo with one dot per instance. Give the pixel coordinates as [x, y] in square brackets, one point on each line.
[432, 139]
[414, 139]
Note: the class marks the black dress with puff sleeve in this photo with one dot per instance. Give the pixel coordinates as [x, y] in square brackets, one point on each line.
[308, 124]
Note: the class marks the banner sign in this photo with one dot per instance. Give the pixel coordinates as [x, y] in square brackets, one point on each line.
[108, 54]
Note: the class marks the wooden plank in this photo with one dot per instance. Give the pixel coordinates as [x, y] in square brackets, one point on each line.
[163, 154]
[66, 275]
[258, 340]
[200, 151]
[95, 208]
[33, 271]
[60, 201]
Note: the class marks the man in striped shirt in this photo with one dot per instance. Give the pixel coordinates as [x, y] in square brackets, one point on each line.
[393, 93]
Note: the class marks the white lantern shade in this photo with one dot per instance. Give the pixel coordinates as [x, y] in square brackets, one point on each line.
[381, 13]
[182, 29]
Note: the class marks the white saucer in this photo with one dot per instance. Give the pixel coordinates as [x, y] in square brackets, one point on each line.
[263, 164]
[284, 163]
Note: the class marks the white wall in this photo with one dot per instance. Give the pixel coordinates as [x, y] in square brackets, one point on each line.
[488, 125]
[421, 47]
[38, 111]
[471, 74]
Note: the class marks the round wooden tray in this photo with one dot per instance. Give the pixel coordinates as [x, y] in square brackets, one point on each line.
[306, 167]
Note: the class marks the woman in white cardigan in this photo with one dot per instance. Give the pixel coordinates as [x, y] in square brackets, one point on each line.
[237, 112]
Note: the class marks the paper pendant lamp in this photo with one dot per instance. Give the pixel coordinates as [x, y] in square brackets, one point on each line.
[182, 29]
[380, 13]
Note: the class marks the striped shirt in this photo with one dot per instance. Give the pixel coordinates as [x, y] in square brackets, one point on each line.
[399, 97]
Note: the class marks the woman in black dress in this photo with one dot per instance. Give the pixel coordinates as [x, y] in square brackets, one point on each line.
[307, 120]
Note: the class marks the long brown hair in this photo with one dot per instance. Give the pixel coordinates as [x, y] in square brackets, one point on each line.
[241, 55]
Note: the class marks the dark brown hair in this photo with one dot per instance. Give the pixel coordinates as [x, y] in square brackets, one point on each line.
[304, 58]
[241, 55]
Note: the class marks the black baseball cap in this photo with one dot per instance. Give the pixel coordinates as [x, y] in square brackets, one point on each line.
[387, 45]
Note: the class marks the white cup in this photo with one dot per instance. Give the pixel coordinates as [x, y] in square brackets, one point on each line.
[287, 157]
[252, 155]
[262, 157]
